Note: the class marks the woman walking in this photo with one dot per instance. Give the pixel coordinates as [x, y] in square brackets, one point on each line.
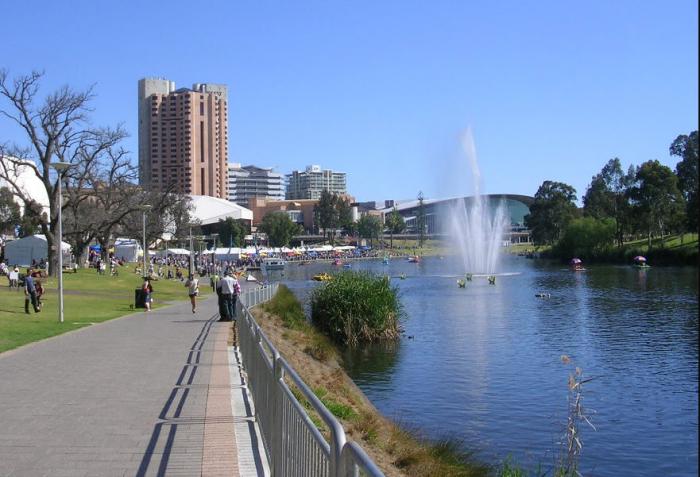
[192, 285]
[147, 291]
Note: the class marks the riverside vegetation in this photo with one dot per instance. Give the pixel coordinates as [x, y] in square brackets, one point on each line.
[356, 307]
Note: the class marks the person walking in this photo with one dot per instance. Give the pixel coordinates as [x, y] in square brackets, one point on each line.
[192, 285]
[226, 288]
[234, 297]
[30, 293]
[14, 278]
[147, 291]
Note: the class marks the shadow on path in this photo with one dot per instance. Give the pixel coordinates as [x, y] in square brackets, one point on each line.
[185, 380]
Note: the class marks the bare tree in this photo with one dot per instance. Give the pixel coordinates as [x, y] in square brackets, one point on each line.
[57, 129]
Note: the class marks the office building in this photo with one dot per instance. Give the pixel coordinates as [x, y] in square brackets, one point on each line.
[183, 137]
[247, 182]
[309, 183]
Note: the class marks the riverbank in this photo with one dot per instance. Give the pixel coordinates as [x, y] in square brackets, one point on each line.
[397, 451]
[671, 250]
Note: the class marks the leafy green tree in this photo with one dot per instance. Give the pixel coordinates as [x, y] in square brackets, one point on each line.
[551, 211]
[9, 211]
[587, 237]
[395, 224]
[421, 220]
[30, 223]
[607, 197]
[231, 232]
[686, 147]
[326, 214]
[369, 226]
[656, 199]
[344, 211]
[279, 228]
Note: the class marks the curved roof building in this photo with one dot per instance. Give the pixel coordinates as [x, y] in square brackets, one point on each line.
[436, 210]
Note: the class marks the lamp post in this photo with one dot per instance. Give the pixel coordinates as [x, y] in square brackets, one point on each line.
[213, 255]
[60, 168]
[144, 208]
[191, 254]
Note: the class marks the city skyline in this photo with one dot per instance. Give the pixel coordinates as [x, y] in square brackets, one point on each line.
[383, 92]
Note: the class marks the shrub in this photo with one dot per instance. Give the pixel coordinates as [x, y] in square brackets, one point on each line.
[356, 307]
[285, 305]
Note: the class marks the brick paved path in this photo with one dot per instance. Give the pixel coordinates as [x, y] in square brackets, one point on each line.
[138, 395]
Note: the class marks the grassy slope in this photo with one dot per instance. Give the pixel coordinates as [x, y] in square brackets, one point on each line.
[88, 298]
[671, 249]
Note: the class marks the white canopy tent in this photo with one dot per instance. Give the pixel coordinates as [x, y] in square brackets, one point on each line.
[34, 247]
[128, 250]
[173, 251]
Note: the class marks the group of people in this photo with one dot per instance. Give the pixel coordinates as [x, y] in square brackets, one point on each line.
[228, 289]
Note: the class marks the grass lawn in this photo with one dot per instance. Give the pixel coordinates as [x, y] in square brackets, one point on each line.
[430, 247]
[671, 242]
[88, 298]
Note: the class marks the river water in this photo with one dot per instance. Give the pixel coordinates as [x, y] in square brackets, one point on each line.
[483, 364]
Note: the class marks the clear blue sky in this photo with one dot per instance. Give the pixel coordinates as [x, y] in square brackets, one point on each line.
[382, 90]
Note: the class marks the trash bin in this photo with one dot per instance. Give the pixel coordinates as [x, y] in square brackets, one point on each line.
[139, 298]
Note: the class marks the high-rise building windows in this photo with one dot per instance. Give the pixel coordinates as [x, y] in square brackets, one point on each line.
[168, 128]
[201, 141]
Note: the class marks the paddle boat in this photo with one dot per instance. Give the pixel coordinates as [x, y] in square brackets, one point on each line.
[468, 277]
[542, 295]
[414, 259]
[322, 277]
[385, 260]
[576, 265]
[461, 284]
[640, 262]
[492, 279]
[337, 262]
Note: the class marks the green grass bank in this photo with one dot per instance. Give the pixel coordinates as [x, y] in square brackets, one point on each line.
[88, 298]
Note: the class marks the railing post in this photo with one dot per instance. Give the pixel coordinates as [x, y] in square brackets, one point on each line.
[277, 467]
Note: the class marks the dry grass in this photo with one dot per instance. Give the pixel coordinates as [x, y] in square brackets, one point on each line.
[398, 452]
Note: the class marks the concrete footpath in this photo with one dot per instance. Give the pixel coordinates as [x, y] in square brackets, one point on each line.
[156, 393]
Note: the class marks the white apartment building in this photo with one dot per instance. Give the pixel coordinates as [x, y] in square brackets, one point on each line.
[309, 184]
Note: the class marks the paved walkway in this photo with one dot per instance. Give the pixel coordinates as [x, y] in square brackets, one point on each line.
[148, 394]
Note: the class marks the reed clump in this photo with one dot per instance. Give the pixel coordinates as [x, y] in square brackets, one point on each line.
[357, 307]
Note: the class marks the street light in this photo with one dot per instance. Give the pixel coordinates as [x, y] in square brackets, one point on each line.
[144, 208]
[60, 168]
[191, 264]
[213, 255]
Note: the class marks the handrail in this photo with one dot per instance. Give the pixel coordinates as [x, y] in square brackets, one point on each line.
[293, 444]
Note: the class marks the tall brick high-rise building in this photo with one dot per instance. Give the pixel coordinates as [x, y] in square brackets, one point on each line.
[183, 137]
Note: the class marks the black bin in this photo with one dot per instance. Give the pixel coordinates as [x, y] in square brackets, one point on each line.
[139, 298]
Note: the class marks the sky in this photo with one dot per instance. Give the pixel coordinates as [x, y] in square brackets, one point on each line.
[385, 90]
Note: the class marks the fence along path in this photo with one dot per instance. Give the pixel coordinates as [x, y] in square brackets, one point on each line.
[293, 444]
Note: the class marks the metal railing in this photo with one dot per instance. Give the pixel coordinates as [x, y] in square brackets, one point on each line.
[293, 443]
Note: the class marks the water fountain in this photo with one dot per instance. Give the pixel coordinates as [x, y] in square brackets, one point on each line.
[476, 225]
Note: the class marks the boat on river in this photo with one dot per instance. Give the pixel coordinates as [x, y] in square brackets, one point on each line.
[322, 277]
[273, 264]
[640, 262]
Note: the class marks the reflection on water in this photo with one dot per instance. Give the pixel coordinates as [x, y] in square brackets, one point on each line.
[483, 364]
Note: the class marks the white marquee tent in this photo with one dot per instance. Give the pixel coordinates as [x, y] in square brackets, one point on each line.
[23, 251]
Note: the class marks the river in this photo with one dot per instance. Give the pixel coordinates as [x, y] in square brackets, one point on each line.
[482, 364]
